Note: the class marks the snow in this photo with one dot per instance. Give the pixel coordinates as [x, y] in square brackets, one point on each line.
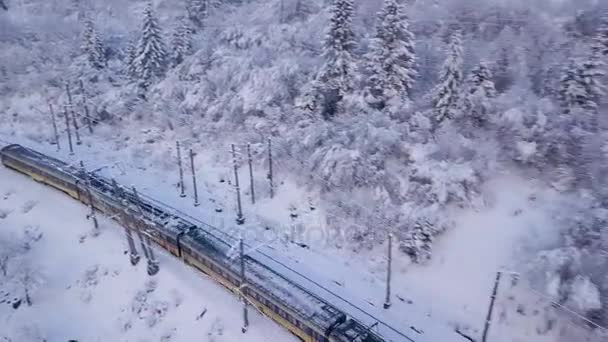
[90, 291]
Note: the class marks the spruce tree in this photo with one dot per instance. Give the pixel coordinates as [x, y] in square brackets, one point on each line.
[445, 94]
[93, 46]
[600, 41]
[336, 78]
[198, 11]
[181, 42]
[392, 59]
[131, 66]
[581, 90]
[151, 56]
[480, 90]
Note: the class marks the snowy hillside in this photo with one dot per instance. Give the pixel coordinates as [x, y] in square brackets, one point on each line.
[474, 131]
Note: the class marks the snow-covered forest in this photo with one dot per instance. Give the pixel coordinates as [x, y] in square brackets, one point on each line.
[392, 114]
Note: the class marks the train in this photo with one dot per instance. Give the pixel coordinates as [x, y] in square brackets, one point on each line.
[302, 312]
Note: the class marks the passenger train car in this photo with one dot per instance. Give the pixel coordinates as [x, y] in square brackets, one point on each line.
[289, 304]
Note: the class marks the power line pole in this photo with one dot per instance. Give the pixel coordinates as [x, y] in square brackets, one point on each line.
[133, 254]
[239, 215]
[86, 107]
[145, 239]
[486, 327]
[67, 125]
[181, 171]
[270, 175]
[87, 185]
[387, 300]
[196, 202]
[251, 173]
[54, 127]
[74, 121]
[243, 287]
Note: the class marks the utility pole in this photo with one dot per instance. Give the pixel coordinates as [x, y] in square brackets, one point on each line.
[54, 127]
[251, 173]
[387, 300]
[270, 175]
[243, 287]
[486, 327]
[67, 125]
[86, 107]
[74, 121]
[196, 202]
[133, 254]
[145, 239]
[181, 171]
[240, 219]
[293, 215]
[87, 185]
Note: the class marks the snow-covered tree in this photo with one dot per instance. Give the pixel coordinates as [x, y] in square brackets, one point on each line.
[182, 41]
[581, 90]
[418, 242]
[92, 45]
[600, 41]
[131, 54]
[392, 59]
[151, 56]
[198, 11]
[336, 78]
[479, 92]
[445, 94]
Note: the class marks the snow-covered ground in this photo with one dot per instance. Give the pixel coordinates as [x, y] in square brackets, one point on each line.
[88, 291]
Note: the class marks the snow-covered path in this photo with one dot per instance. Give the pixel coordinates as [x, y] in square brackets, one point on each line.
[90, 292]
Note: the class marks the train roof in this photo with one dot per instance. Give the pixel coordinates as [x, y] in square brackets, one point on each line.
[269, 282]
[28, 155]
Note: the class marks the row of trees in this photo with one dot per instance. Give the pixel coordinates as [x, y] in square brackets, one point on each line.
[389, 69]
[147, 57]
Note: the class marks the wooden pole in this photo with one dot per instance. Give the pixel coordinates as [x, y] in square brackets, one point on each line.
[54, 127]
[270, 173]
[181, 171]
[239, 215]
[67, 125]
[86, 107]
[74, 121]
[243, 287]
[486, 327]
[387, 300]
[196, 202]
[251, 173]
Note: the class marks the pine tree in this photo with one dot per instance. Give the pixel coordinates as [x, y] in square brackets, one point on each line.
[392, 59]
[419, 241]
[479, 90]
[445, 94]
[93, 46]
[600, 41]
[581, 91]
[182, 42]
[151, 56]
[336, 78]
[131, 66]
[198, 11]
